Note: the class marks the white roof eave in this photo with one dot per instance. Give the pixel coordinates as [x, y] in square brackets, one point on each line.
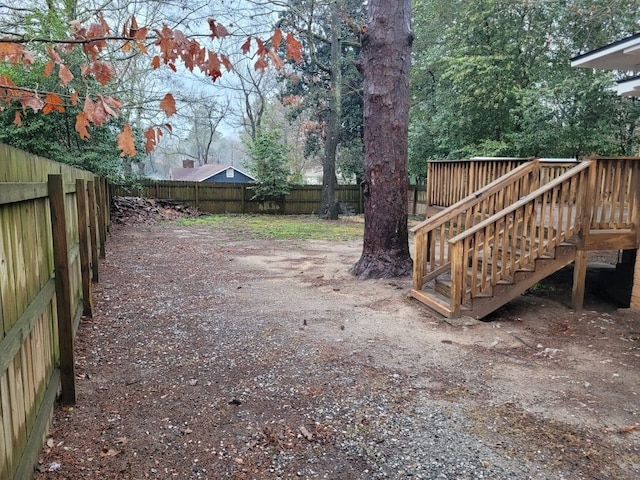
[628, 88]
[624, 55]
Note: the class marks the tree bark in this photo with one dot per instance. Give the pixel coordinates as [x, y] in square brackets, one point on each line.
[386, 57]
[334, 103]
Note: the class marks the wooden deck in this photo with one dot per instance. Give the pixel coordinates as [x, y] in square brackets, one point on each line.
[497, 242]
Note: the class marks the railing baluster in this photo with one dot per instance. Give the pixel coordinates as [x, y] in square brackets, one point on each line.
[475, 260]
[457, 263]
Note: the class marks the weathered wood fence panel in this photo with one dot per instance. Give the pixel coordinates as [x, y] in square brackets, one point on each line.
[41, 275]
[238, 198]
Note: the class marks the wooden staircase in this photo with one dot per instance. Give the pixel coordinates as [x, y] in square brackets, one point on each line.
[493, 245]
[482, 304]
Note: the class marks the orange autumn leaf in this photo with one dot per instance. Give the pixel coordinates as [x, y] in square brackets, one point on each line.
[246, 46]
[65, 75]
[155, 62]
[52, 103]
[48, 68]
[96, 31]
[168, 105]
[74, 97]
[126, 143]
[32, 101]
[95, 112]
[217, 30]
[6, 81]
[134, 27]
[278, 63]
[294, 48]
[261, 64]
[141, 35]
[17, 121]
[262, 48]
[150, 136]
[213, 66]
[276, 38]
[11, 52]
[111, 102]
[227, 63]
[82, 123]
[141, 46]
[54, 55]
[103, 72]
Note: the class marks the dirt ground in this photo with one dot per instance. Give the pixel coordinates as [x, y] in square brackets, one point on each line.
[213, 354]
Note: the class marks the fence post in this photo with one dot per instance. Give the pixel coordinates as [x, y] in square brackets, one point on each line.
[93, 232]
[83, 238]
[102, 204]
[63, 288]
[108, 201]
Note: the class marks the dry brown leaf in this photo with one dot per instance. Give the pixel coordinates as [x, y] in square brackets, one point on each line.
[628, 428]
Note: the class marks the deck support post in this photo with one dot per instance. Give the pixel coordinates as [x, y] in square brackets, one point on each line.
[580, 264]
[635, 292]
[634, 304]
[579, 280]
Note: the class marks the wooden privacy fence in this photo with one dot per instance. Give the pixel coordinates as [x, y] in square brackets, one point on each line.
[237, 198]
[449, 181]
[53, 221]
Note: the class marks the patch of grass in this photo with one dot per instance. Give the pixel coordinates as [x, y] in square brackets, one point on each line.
[282, 227]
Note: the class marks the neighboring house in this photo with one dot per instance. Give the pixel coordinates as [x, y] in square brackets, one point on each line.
[210, 173]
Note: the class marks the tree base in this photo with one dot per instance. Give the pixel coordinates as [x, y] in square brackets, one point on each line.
[382, 265]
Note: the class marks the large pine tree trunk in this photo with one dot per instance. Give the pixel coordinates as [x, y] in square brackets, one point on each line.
[386, 56]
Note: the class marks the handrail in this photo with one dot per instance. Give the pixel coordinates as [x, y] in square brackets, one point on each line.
[497, 185]
[523, 201]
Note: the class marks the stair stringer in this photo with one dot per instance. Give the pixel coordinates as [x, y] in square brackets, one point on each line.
[503, 293]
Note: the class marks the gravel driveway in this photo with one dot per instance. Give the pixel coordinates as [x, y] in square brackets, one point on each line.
[215, 355]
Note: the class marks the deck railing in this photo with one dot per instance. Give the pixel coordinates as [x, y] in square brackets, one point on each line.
[452, 180]
[512, 239]
[615, 198]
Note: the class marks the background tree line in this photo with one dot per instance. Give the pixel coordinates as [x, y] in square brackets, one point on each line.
[493, 78]
[489, 78]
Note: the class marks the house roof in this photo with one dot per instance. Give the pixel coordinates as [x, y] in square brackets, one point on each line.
[621, 55]
[629, 87]
[200, 174]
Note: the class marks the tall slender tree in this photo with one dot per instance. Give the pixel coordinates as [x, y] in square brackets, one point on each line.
[386, 57]
[327, 80]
